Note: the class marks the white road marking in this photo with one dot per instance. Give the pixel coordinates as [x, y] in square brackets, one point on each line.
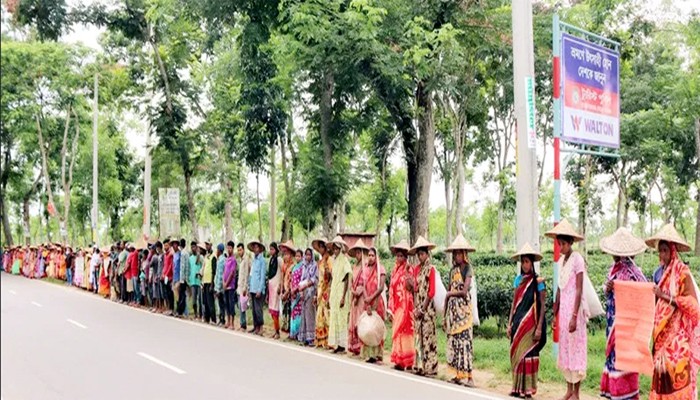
[36, 304]
[11, 292]
[76, 323]
[356, 364]
[161, 363]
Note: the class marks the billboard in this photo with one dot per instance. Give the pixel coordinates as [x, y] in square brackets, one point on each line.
[590, 78]
[169, 212]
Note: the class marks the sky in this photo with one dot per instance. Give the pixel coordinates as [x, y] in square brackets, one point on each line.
[478, 193]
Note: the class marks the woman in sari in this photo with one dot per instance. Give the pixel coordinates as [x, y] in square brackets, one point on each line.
[285, 289]
[374, 278]
[458, 319]
[676, 335]
[296, 301]
[622, 246]
[79, 269]
[307, 289]
[19, 261]
[526, 325]
[339, 302]
[322, 300]
[104, 271]
[403, 352]
[28, 264]
[569, 309]
[359, 251]
[274, 278]
[39, 265]
[425, 315]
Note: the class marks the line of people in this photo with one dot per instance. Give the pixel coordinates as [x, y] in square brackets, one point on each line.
[334, 296]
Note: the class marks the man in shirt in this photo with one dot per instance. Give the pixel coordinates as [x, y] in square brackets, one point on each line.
[257, 285]
[131, 274]
[175, 246]
[121, 268]
[167, 281]
[208, 284]
[244, 262]
[219, 283]
[183, 286]
[69, 266]
[196, 262]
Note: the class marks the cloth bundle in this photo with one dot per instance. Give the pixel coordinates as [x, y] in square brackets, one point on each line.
[371, 329]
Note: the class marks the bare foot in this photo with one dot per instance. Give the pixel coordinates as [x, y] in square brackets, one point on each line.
[469, 383]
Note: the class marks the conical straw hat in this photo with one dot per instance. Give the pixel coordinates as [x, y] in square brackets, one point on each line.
[622, 243]
[564, 228]
[289, 245]
[460, 243]
[317, 243]
[527, 250]
[340, 242]
[254, 242]
[668, 233]
[421, 243]
[359, 246]
[402, 245]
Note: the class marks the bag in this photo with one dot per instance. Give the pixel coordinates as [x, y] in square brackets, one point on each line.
[475, 305]
[440, 293]
[243, 303]
[592, 307]
[371, 329]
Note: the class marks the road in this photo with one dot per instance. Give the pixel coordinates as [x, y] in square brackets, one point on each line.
[64, 343]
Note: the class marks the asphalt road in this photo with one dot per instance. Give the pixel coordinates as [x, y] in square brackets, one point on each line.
[64, 343]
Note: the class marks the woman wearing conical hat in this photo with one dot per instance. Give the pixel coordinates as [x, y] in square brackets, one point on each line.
[425, 318]
[676, 335]
[526, 324]
[459, 322]
[622, 246]
[357, 295]
[569, 309]
[285, 289]
[339, 296]
[403, 351]
[323, 309]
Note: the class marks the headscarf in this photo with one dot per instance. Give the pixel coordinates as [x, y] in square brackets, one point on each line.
[309, 270]
[673, 272]
[272, 266]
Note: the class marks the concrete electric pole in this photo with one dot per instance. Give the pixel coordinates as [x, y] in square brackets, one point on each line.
[95, 112]
[527, 221]
[147, 190]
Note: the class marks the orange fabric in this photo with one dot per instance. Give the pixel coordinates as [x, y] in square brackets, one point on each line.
[403, 352]
[676, 335]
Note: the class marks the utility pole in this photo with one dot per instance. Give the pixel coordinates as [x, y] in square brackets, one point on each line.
[527, 221]
[147, 190]
[94, 165]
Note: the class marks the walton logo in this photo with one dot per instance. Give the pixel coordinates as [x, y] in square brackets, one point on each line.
[576, 122]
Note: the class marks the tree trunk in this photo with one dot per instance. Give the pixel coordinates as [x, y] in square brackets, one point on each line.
[420, 154]
[7, 228]
[341, 215]
[325, 110]
[228, 222]
[68, 183]
[620, 207]
[45, 168]
[273, 191]
[190, 206]
[257, 196]
[697, 196]
[458, 208]
[448, 217]
[285, 178]
[499, 230]
[5, 148]
[239, 184]
[25, 209]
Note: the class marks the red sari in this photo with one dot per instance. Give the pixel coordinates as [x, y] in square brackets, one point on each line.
[403, 351]
[676, 335]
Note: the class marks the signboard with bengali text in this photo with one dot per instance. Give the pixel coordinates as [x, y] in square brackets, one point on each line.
[169, 212]
[590, 79]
